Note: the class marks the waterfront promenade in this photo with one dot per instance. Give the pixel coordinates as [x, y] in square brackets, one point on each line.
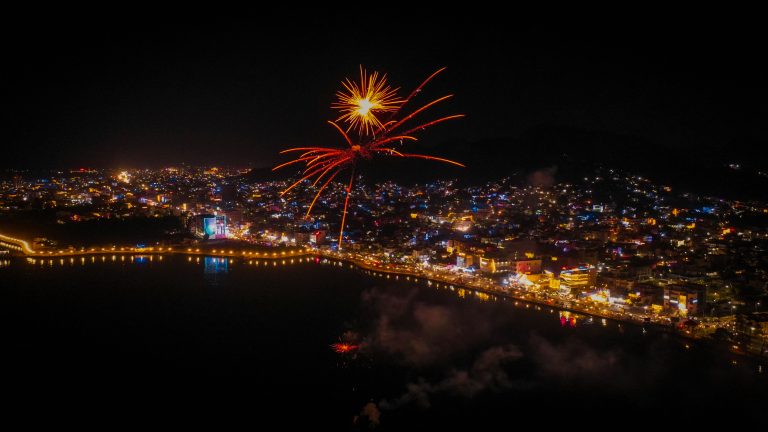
[475, 284]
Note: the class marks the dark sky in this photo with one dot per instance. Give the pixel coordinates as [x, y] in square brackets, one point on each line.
[139, 89]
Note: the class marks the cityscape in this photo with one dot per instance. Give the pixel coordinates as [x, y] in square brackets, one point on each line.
[314, 221]
[613, 245]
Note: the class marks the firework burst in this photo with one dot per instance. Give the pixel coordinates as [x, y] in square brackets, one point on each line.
[359, 106]
[361, 103]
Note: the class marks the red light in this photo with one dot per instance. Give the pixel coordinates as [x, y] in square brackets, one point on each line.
[344, 348]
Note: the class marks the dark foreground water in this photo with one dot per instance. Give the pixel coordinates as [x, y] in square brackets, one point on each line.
[137, 340]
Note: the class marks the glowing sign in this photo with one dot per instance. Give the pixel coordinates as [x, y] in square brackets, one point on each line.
[215, 227]
[209, 226]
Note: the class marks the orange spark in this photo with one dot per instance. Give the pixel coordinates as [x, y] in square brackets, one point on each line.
[344, 348]
[360, 103]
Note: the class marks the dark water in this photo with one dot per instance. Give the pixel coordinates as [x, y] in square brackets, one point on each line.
[184, 340]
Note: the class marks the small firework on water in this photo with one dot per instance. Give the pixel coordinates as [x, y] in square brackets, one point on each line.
[344, 348]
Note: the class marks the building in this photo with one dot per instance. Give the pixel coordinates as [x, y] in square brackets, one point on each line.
[301, 237]
[493, 265]
[646, 294]
[208, 226]
[317, 237]
[577, 279]
[687, 299]
[497, 263]
[464, 260]
[528, 266]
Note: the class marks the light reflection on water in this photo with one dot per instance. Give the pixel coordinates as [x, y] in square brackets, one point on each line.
[216, 268]
[442, 298]
[215, 265]
[220, 266]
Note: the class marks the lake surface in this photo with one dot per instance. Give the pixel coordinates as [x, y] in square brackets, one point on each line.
[134, 337]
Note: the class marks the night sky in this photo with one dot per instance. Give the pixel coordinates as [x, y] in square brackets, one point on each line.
[133, 89]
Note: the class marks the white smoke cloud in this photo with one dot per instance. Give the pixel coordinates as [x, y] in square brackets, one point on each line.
[420, 333]
[486, 374]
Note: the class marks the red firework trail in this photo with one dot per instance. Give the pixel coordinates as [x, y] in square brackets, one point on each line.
[361, 106]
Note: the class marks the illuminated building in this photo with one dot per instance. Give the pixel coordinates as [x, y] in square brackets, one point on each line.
[491, 265]
[686, 299]
[317, 237]
[529, 266]
[462, 225]
[210, 226]
[499, 263]
[454, 245]
[645, 294]
[464, 260]
[578, 279]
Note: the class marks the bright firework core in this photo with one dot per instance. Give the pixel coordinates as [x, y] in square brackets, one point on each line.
[360, 103]
[364, 107]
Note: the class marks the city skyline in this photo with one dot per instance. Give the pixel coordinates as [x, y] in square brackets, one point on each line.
[610, 244]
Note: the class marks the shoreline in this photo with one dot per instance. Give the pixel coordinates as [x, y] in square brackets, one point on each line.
[529, 298]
